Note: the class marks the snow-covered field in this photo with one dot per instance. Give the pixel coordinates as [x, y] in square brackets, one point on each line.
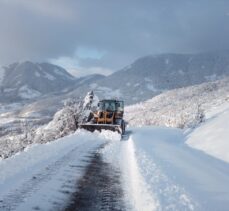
[158, 171]
[212, 136]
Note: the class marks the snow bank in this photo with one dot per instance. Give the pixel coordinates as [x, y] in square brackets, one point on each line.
[212, 136]
[121, 155]
[38, 154]
[137, 191]
[180, 177]
[109, 135]
[146, 185]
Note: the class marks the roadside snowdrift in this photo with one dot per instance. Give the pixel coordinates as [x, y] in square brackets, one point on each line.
[203, 110]
[39, 154]
[160, 172]
[179, 177]
[212, 136]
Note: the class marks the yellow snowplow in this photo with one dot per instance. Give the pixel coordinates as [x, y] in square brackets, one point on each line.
[109, 116]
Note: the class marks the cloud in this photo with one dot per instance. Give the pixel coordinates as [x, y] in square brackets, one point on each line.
[80, 72]
[49, 8]
[77, 69]
[107, 35]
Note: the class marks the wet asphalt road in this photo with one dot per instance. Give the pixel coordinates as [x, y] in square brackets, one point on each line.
[98, 189]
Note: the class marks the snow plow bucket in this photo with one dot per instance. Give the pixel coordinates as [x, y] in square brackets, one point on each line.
[99, 127]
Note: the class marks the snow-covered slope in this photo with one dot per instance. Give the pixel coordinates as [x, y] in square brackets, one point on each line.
[202, 109]
[179, 177]
[184, 107]
[212, 136]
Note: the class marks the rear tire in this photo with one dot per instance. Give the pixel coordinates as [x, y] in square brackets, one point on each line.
[123, 127]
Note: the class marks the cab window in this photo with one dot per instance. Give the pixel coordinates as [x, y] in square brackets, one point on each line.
[109, 106]
[120, 106]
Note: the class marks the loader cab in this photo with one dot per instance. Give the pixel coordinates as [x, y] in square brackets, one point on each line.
[108, 116]
[111, 106]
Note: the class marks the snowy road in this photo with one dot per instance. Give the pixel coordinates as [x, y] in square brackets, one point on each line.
[180, 177]
[152, 169]
[44, 176]
[160, 172]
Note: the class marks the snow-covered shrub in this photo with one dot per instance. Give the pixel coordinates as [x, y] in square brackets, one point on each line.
[181, 108]
[64, 122]
[67, 119]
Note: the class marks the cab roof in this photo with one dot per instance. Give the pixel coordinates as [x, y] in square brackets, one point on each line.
[110, 100]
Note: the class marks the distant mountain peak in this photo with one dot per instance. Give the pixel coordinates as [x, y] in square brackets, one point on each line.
[152, 74]
[27, 78]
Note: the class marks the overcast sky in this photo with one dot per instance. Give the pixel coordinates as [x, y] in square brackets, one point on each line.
[102, 36]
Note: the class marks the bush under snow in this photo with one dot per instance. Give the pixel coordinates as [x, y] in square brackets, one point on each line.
[182, 108]
[64, 122]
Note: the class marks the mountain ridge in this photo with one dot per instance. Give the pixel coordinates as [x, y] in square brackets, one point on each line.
[153, 74]
[28, 80]
[143, 79]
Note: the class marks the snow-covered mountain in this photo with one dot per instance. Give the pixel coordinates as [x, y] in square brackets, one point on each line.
[29, 80]
[151, 75]
[143, 79]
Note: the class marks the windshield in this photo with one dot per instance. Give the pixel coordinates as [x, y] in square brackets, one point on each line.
[109, 106]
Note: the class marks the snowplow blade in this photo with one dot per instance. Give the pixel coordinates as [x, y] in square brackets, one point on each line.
[99, 127]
